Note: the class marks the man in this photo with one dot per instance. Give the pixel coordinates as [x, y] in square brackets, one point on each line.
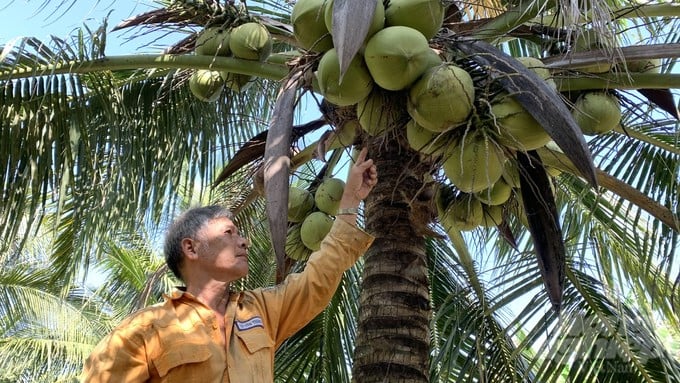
[206, 332]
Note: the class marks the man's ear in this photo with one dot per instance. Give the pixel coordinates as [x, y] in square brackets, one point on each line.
[189, 248]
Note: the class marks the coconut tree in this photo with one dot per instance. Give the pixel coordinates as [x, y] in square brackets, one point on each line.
[583, 221]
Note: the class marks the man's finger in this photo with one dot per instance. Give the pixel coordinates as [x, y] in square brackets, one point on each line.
[362, 155]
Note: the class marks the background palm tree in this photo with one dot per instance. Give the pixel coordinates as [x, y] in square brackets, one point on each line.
[114, 141]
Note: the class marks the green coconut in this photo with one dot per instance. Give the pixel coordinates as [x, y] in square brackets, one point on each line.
[537, 66]
[237, 82]
[474, 163]
[641, 66]
[294, 247]
[497, 194]
[517, 127]
[309, 26]
[442, 98]
[597, 112]
[356, 83]
[328, 194]
[587, 40]
[492, 215]
[206, 85]
[344, 135]
[300, 203]
[463, 213]
[423, 140]
[397, 56]
[250, 41]
[426, 16]
[314, 229]
[511, 174]
[377, 22]
[379, 112]
[433, 59]
[213, 41]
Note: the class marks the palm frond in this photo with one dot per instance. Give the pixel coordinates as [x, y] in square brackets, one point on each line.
[44, 334]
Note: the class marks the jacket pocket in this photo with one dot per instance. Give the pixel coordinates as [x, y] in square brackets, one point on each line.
[255, 362]
[180, 355]
[255, 339]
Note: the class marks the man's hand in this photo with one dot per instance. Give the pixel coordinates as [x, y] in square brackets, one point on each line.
[361, 179]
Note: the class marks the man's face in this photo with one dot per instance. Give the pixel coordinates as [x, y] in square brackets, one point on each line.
[222, 251]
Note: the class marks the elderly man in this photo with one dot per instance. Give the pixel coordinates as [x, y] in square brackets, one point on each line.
[207, 332]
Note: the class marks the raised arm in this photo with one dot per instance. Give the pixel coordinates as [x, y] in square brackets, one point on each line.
[304, 295]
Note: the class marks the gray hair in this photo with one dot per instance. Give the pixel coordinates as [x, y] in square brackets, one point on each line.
[186, 226]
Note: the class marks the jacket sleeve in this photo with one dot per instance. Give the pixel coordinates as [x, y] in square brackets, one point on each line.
[302, 296]
[117, 358]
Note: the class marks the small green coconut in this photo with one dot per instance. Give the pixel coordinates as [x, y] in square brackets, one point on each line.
[426, 16]
[309, 25]
[397, 56]
[356, 84]
[344, 135]
[597, 112]
[537, 66]
[474, 163]
[213, 41]
[492, 215]
[250, 41]
[511, 174]
[442, 98]
[206, 85]
[379, 112]
[237, 82]
[328, 194]
[314, 229]
[295, 248]
[463, 213]
[497, 194]
[300, 203]
[586, 40]
[425, 141]
[517, 127]
[641, 66]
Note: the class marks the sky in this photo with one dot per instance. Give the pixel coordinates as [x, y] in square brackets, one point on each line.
[22, 18]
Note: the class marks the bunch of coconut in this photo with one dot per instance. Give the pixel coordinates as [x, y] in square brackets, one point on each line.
[248, 41]
[486, 208]
[394, 55]
[464, 211]
[311, 215]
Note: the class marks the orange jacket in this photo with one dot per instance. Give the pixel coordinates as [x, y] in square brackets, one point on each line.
[179, 340]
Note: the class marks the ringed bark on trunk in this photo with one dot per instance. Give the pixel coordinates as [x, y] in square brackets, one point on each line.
[393, 340]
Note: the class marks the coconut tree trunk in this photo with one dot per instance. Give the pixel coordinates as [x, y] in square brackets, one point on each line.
[393, 328]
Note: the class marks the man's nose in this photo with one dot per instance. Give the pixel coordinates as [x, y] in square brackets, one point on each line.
[245, 242]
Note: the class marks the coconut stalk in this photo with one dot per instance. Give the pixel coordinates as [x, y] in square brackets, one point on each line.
[579, 59]
[559, 161]
[512, 19]
[269, 69]
[629, 81]
[647, 10]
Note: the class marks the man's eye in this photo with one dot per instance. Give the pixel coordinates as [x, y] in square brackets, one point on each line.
[228, 231]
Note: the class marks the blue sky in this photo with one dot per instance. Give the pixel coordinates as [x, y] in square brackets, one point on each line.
[30, 18]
